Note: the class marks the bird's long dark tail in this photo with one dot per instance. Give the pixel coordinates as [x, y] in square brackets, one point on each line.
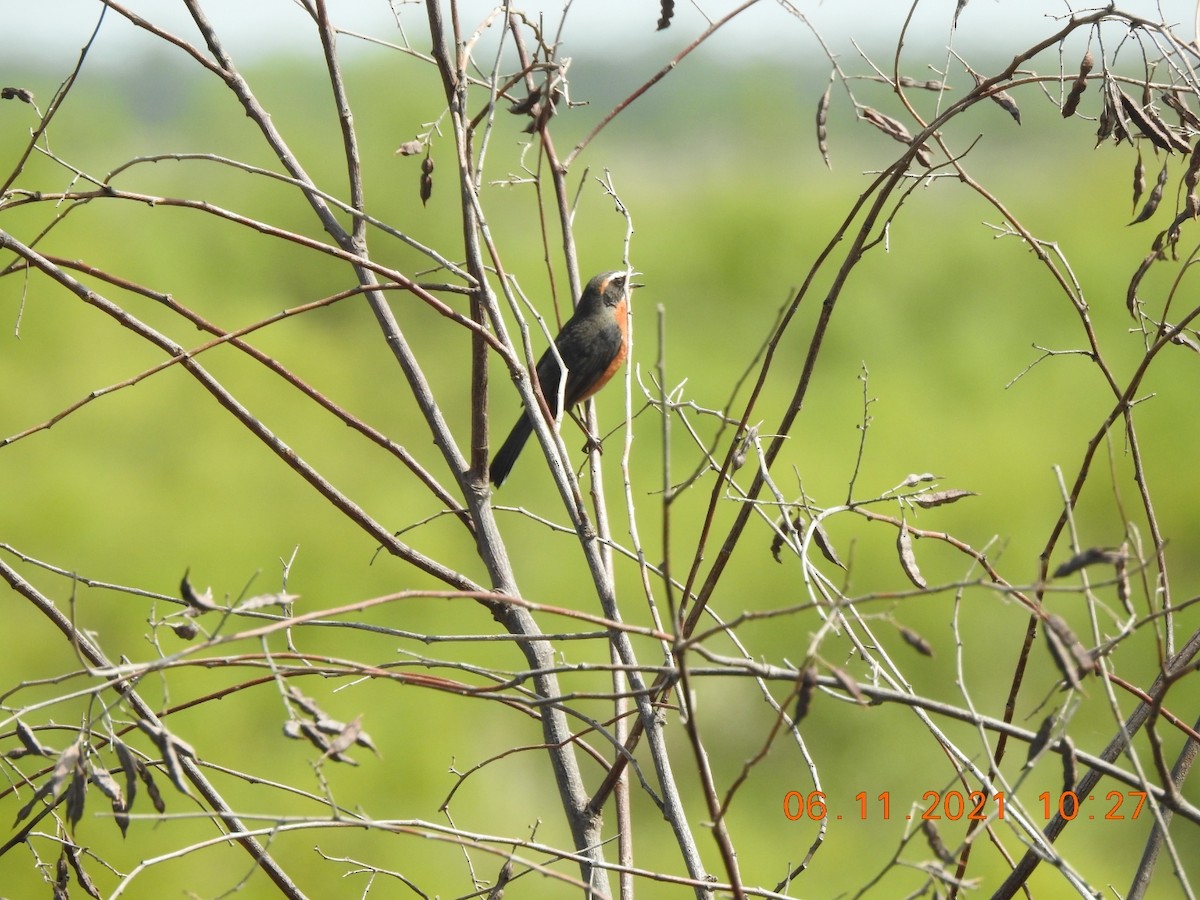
[503, 461]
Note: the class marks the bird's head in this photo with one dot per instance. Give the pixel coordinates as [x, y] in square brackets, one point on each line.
[607, 289]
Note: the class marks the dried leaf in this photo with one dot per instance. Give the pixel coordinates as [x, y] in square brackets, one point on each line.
[908, 561]
[197, 603]
[410, 148]
[914, 640]
[822, 118]
[1038, 744]
[666, 12]
[184, 630]
[941, 498]
[1155, 198]
[1089, 557]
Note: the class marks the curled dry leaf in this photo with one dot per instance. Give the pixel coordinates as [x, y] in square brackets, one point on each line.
[908, 560]
[941, 498]
[822, 118]
[914, 640]
[196, 603]
[410, 148]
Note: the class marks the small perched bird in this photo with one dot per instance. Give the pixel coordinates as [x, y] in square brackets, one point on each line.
[592, 344]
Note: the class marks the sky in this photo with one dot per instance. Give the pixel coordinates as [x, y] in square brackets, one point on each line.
[54, 29]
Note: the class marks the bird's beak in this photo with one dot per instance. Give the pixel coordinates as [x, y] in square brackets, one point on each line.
[635, 284]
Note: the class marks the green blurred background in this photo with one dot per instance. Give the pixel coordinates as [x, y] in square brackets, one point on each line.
[731, 204]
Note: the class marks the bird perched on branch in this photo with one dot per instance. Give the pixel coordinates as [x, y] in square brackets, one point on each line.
[593, 344]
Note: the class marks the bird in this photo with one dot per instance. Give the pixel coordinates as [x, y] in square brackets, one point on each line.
[593, 344]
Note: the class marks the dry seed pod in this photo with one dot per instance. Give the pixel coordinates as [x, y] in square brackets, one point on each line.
[426, 180]
[846, 680]
[805, 685]
[1132, 303]
[1186, 116]
[915, 641]
[1192, 175]
[667, 11]
[930, 85]
[1089, 557]
[822, 117]
[1079, 86]
[1150, 125]
[1155, 198]
[934, 840]
[908, 560]
[941, 498]
[1068, 759]
[821, 539]
[893, 128]
[1139, 179]
[1001, 99]
[1038, 744]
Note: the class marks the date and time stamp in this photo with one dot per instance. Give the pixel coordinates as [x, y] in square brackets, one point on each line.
[958, 805]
